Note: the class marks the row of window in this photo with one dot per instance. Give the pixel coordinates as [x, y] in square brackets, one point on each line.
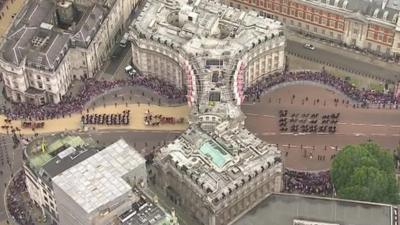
[379, 36]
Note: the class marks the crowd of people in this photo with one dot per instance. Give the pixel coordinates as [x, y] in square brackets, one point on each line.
[363, 96]
[17, 207]
[307, 122]
[90, 89]
[317, 183]
[106, 119]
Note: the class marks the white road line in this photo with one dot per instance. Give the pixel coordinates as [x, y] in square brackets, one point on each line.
[254, 114]
[378, 125]
[268, 133]
[358, 134]
[364, 124]
[378, 134]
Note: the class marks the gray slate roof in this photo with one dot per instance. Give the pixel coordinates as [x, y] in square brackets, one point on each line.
[28, 28]
[368, 8]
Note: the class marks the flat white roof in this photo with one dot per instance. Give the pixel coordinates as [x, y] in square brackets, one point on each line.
[97, 180]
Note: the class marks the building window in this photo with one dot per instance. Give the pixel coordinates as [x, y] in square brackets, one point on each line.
[47, 79]
[316, 19]
[355, 31]
[370, 34]
[38, 77]
[40, 85]
[315, 29]
[323, 31]
[380, 36]
[83, 62]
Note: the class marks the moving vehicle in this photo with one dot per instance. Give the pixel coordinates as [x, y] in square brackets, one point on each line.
[124, 41]
[309, 46]
[130, 70]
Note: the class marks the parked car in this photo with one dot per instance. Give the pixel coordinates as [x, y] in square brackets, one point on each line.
[309, 46]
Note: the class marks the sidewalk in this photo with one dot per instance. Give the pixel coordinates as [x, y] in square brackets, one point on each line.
[296, 63]
[73, 123]
[346, 53]
[291, 35]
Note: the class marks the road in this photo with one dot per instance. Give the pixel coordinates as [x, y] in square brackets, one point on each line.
[10, 162]
[343, 59]
[314, 151]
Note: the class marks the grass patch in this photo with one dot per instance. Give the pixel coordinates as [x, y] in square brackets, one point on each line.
[376, 87]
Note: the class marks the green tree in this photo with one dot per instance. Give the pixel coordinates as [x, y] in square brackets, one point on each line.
[365, 172]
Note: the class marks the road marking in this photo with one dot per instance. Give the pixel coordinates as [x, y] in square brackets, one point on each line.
[378, 125]
[254, 114]
[365, 124]
[378, 134]
[268, 133]
[136, 131]
[358, 134]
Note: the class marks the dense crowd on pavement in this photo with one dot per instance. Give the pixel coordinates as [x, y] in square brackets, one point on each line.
[312, 183]
[17, 207]
[92, 88]
[365, 97]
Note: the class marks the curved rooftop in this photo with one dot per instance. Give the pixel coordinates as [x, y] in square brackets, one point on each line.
[203, 26]
[216, 153]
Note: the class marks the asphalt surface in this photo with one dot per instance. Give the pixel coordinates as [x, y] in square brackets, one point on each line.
[10, 162]
[348, 62]
[314, 151]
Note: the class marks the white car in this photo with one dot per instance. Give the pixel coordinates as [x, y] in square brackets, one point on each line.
[309, 46]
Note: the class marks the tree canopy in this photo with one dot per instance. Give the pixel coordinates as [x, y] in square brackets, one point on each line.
[365, 172]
